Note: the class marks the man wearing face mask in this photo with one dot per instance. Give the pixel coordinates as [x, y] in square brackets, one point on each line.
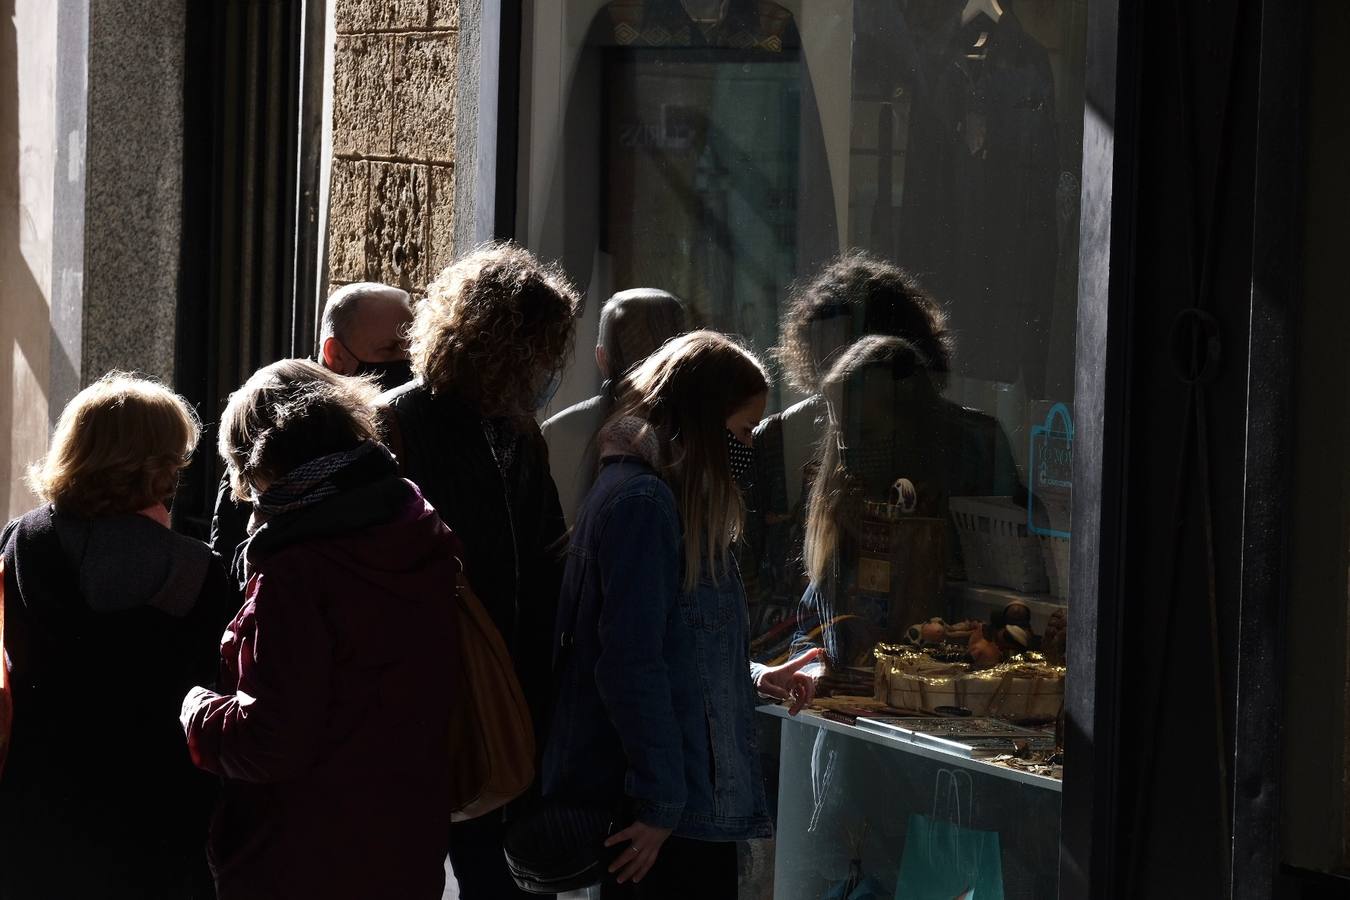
[363, 332]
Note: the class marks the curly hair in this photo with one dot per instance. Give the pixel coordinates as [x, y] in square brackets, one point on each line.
[491, 325]
[287, 414]
[118, 448]
[861, 295]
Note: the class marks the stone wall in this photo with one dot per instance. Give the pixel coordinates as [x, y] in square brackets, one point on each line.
[133, 198]
[392, 197]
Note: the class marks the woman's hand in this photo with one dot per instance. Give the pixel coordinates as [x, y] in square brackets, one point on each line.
[644, 844]
[789, 682]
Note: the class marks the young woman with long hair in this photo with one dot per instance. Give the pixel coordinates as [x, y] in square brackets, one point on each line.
[656, 691]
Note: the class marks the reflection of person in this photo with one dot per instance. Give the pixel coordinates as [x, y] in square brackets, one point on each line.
[109, 617]
[657, 694]
[855, 295]
[633, 323]
[888, 421]
[363, 332]
[333, 719]
[488, 346]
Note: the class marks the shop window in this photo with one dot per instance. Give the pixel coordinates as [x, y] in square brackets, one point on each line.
[910, 511]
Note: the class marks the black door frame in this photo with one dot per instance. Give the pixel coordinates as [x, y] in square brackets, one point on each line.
[1094, 845]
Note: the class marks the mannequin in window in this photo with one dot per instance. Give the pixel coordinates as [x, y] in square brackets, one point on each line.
[971, 208]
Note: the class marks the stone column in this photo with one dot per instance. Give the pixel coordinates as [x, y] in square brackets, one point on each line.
[392, 196]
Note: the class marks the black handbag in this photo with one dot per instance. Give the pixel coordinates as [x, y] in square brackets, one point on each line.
[557, 846]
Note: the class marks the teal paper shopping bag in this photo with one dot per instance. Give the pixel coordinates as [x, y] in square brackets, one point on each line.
[943, 858]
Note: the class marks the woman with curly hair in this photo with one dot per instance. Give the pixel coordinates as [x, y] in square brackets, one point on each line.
[109, 617]
[489, 344]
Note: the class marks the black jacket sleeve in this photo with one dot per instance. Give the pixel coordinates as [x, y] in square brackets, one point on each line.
[229, 525]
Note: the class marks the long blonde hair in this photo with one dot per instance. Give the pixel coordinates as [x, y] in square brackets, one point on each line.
[118, 448]
[685, 392]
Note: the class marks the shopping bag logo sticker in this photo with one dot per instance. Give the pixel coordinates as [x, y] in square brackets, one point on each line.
[1050, 469]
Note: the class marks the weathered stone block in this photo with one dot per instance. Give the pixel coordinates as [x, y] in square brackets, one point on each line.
[445, 13]
[410, 13]
[424, 97]
[397, 225]
[362, 94]
[348, 208]
[355, 16]
[440, 219]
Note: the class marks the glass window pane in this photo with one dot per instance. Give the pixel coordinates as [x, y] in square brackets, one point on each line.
[879, 197]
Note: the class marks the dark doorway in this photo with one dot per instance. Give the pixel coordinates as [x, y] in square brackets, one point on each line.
[250, 278]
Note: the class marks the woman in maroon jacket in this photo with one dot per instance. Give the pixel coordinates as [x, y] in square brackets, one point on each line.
[333, 733]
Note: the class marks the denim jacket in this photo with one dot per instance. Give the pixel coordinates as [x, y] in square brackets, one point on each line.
[656, 701]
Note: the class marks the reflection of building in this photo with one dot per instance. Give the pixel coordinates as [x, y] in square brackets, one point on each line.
[173, 197]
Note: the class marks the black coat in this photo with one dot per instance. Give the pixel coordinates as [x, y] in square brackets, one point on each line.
[510, 520]
[108, 622]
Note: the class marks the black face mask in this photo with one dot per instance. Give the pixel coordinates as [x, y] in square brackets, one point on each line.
[742, 461]
[388, 375]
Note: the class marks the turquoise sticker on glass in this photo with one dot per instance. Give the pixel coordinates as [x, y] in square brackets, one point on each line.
[1051, 465]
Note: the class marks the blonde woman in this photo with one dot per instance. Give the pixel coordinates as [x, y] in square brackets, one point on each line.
[109, 618]
[657, 692]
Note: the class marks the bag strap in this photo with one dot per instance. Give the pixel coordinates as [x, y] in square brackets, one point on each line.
[393, 439]
[953, 780]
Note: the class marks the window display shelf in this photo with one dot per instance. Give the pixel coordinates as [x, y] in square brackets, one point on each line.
[896, 742]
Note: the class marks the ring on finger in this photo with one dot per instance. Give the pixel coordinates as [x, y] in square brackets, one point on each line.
[635, 848]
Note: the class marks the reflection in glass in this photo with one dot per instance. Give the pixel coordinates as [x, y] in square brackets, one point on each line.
[879, 542]
[885, 193]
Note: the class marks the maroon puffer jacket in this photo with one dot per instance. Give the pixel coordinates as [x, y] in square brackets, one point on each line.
[333, 731]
